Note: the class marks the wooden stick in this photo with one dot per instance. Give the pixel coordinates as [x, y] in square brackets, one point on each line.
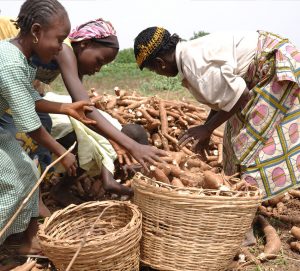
[12, 219]
[85, 235]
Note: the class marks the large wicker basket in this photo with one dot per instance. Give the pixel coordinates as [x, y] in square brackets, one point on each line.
[191, 229]
[113, 245]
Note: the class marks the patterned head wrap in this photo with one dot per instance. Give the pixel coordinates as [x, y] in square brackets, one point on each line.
[148, 43]
[98, 30]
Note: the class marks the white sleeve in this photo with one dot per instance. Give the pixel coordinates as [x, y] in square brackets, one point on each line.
[218, 87]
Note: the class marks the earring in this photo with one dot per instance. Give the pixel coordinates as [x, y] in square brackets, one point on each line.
[163, 67]
[36, 40]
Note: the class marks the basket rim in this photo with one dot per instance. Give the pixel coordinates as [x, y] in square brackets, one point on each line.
[135, 221]
[163, 189]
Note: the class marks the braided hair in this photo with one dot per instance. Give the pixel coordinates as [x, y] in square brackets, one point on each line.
[153, 42]
[37, 11]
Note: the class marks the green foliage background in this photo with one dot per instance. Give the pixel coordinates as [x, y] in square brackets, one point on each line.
[124, 73]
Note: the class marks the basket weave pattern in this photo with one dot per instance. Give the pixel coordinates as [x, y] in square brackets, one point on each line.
[113, 245]
[191, 229]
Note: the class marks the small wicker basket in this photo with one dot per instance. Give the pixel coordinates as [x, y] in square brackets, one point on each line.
[112, 245]
[191, 229]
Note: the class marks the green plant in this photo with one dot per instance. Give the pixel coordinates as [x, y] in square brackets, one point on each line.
[281, 260]
[198, 34]
[125, 56]
[161, 83]
[128, 76]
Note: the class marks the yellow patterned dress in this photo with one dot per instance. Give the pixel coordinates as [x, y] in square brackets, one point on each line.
[263, 141]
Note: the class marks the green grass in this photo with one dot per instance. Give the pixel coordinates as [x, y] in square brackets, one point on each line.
[128, 76]
[124, 73]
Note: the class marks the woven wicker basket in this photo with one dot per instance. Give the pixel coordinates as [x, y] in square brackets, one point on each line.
[191, 229]
[113, 244]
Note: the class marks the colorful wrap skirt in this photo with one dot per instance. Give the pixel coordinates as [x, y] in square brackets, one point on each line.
[263, 140]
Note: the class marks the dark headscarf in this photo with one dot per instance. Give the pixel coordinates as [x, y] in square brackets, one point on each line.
[148, 43]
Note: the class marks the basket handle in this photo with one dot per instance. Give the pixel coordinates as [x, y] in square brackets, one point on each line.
[85, 235]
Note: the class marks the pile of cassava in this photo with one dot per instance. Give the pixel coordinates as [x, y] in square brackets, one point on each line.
[165, 121]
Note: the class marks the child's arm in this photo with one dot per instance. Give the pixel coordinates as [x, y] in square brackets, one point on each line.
[68, 66]
[42, 137]
[75, 110]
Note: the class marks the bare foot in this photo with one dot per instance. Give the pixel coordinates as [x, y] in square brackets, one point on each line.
[250, 239]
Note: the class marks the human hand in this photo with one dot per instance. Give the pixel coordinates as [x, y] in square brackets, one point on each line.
[70, 164]
[128, 171]
[202, 148]
[124, 157]
[147, 154]
[201, 137]
[77, 111]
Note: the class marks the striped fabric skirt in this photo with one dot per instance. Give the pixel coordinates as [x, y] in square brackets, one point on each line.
[263, 140]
